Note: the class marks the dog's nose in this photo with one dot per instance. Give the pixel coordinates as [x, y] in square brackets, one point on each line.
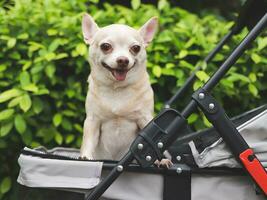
[122, 61]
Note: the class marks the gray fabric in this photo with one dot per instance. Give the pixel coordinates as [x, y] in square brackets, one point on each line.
[40, 172]
[59, 151]
[206, 187]
[136, 186]
[253, 131]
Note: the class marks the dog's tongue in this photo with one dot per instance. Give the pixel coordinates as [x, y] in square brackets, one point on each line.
[120, 75]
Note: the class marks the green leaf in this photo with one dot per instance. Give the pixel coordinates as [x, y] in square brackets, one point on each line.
[51, 32]
[253, 90]
[25, 103]
[35, 144]
[37, 105]
[81, 48]
[8, 94]
[47, 133]
[57, 119]
[23, 36]
[202, 76]
[58, 138]
[11, 43]
[166, 71]
[78, 127]
[66, 124]
[192, 118]
[135, 4]
[36, 69]
[69, 138]
[35, 46]
[206, 121]
[170, 65]
[50, 56]
[30, 87]
[20, 124]
[183, 53]
[14, 102]
[50, 70]
[237, 77]
[186, 64]
[42, 91]
[5, 128]
[162, 4]
[252, 76]
[256, 58]
[262, 43]
[61, 55]
[197, 85]
[2, 67]
[26, 65]
[54, 45]
[24, 78]
[5, 185]
[6, 114]
[27, 137]
[156, 71]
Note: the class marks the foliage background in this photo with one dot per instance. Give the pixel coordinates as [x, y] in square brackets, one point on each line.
[43, 69]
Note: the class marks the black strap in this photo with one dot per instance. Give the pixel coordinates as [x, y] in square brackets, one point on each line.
[177, 187]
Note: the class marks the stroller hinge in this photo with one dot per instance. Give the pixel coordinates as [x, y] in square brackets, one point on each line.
[157, 136]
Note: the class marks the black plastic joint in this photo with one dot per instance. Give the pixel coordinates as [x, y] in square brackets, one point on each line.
[206, 102]
[145, 148]
[157, 136]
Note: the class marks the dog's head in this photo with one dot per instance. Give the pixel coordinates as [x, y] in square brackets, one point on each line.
[117, 52]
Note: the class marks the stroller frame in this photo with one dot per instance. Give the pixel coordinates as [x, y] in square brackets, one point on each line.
[165, 128]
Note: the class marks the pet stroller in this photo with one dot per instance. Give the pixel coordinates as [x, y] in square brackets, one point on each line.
[228, 161]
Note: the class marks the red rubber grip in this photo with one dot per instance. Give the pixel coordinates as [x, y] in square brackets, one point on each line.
[255, 169]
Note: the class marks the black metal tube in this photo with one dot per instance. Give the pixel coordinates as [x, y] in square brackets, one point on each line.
[192, 77]
[239, 50]
[111, 177]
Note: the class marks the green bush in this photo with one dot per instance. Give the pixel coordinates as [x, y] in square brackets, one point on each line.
[43, 69]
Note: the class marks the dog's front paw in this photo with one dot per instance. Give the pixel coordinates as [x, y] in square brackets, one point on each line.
[166, 163]
[83, 158]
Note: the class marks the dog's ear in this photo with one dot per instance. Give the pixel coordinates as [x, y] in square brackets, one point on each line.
[148, 30]
[89, 28]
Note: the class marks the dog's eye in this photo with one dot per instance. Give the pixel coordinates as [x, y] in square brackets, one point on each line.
[135, 49]
[106, 47]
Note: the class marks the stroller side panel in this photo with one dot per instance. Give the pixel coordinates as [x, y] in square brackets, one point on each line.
[132, 186]
[44, 172]
[223, 187]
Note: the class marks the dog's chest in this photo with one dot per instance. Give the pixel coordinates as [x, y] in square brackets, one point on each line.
[116, 137]
[118, 103]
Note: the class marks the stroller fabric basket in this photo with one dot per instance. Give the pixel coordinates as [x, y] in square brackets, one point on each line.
[211, 173]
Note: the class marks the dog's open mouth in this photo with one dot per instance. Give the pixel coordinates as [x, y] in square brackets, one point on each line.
[119, 74]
